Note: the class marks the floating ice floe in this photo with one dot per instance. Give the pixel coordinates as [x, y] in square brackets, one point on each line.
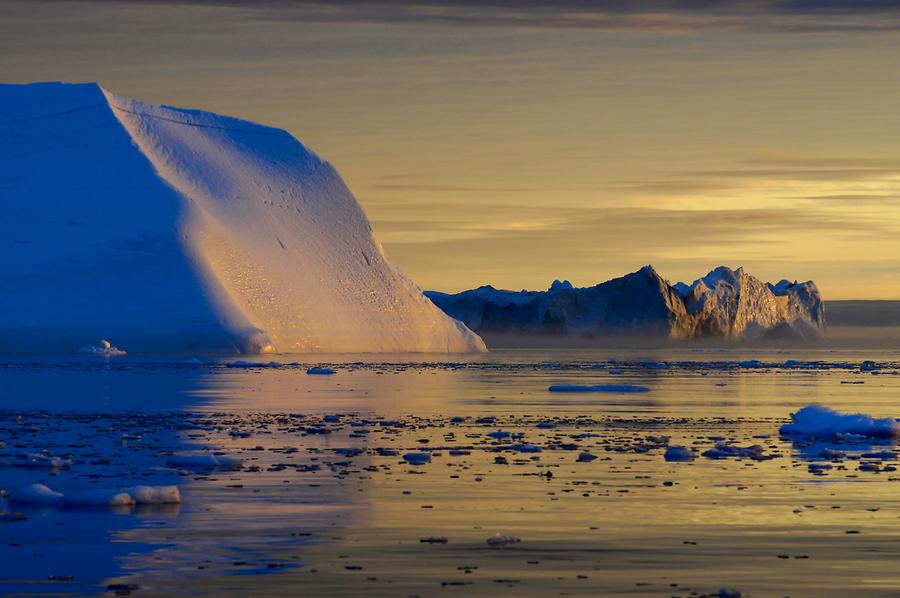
[417, 458]
[36, 494]
[320, 371]
[204, 462]
[723, 450]
[104, 348]
[625, 388]
[501, 541]
[39, 494]
[433, 540]
[41, 460]
[678, 454]
[525, 448]
[818, 421]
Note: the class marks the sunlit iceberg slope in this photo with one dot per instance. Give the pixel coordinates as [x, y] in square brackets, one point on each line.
[173, 230]
[726, 304]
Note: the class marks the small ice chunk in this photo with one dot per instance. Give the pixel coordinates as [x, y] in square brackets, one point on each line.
[104, 348]
[679, 454]
[433, 540]
[525, 448]
[417, 458]
[98, 498]
[320, 371]
[723, 450]
[500, 541]
[653, 365]
[204, 462]
[43, 459]
[622, 388]
[818, 421]
[36, 494]
[155, 495]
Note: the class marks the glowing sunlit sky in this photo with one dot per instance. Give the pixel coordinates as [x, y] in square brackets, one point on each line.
[512, 143]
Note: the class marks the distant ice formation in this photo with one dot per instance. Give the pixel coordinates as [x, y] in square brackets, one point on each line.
[174, 230]
[726, 303]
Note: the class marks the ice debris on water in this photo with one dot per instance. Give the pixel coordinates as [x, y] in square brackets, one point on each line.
[724, 450]
[240, 363]
[43, 459]
[320, 371]
[621, 388]
[417, 458]
[104, 348]
[433, 540]
[500, 541]
[40, 494]
[678, 454]
[525, 448]
[37, 494]
[818, 421]
[204, 462]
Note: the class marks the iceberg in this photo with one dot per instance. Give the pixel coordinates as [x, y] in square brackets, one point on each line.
[725, 304]
[734, 305]
[818, 421]
[174, 230]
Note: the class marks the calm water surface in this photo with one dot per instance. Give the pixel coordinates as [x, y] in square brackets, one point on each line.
[324, 504]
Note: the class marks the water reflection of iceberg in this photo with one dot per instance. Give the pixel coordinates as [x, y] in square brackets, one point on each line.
[831, 449]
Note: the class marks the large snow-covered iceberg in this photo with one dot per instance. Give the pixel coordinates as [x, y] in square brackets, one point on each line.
[170, 230]
[729, 304]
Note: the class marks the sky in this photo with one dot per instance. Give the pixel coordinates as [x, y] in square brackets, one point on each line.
[512, 143]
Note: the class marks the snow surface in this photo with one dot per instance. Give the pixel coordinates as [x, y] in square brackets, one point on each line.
[818, 421]
[173, 230]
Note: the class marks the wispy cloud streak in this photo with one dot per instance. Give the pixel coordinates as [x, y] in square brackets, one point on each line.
[669, 16]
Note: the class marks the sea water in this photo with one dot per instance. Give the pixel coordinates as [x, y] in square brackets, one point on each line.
[311, 484]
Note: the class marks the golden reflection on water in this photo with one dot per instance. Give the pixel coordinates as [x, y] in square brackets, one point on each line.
[627, 523]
